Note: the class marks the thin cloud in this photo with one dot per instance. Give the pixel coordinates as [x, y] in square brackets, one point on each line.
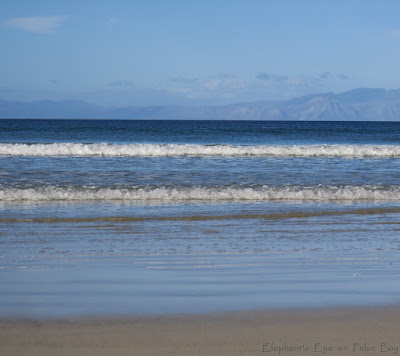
[325, 75]
[263, 76]
[183, 91]
[297, 81]
[273, 77]
[111, 21]
[183, 80]
[342, 76]
[226, 75]
[213, 84]
[121, 83]
[396, 33]
[224, 83]
[39, 24]
[282, 78]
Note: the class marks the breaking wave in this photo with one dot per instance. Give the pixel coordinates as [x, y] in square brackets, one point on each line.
[205, 194]
[164, 150]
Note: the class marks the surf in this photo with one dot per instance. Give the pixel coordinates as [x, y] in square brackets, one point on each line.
[195, 150]
[202, 194]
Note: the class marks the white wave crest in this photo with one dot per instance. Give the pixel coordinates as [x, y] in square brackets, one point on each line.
[163, 150]
[215, 194]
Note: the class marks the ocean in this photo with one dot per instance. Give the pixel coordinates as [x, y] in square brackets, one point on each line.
[154, 217]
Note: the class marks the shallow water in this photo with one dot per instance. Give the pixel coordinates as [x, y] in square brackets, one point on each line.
[133, 259]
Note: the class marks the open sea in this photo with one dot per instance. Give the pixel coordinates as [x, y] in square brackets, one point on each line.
[154, 217]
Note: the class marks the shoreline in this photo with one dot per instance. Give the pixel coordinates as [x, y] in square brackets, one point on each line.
[327, 331]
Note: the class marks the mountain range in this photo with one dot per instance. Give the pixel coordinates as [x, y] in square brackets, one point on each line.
[364, 104]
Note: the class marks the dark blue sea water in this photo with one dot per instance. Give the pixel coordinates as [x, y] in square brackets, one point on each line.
[49, 160]
[147, 209]
[200, 132]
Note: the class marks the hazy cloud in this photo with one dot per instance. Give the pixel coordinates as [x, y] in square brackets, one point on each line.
[183, 91]
[342, 76]
[325, 75]
[213, 84]
[330, 76]
[183, 80]
[396, 33]
[263, 76]
[297, 81]
[272, 77]
[39, 24]
[111, 21]
[121, 83]
[224, 83]
[227, 75]
[222, 87]
[281, 78]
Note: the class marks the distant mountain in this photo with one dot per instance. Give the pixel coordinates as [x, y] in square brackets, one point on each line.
[354, 105]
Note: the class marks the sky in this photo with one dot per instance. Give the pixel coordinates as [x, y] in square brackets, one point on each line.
[195, 53]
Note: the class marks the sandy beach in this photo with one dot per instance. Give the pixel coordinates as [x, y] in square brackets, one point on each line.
[344, 331]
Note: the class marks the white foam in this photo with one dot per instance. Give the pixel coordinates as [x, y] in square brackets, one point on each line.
[163, 150]
[215, 194]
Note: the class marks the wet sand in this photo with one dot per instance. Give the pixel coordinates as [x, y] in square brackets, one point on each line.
[344, 331]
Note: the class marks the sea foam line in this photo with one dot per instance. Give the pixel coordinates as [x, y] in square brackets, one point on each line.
[164, 150]
[273, 216]
[205, 194]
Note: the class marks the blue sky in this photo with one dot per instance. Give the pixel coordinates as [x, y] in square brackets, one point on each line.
[118, 53]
